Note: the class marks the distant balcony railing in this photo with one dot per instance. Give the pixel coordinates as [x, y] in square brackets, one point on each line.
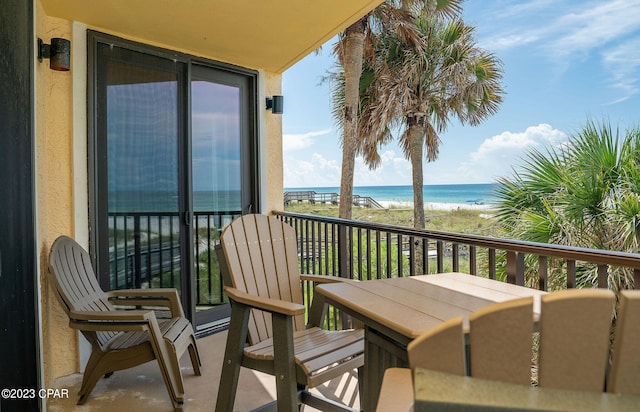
[362, 250]
[314, 197]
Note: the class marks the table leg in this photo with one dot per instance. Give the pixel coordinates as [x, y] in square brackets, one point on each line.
[380, 353]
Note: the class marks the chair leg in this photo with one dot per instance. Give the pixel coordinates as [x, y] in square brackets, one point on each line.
[284, 363]
[195, 356]
[92, 374]
[168, 362]
[361, 385]
[236, 339]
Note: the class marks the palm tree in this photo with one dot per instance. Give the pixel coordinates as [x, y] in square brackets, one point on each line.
[359, 40]
[583, 193]
[420, 89]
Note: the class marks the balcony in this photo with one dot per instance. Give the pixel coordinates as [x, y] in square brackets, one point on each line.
[142, 388]
[362, 251]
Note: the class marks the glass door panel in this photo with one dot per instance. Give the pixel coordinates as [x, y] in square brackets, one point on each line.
[142, 174]
[216, 178]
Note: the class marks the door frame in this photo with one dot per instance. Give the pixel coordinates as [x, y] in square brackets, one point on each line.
[98, 183]
[19, 251]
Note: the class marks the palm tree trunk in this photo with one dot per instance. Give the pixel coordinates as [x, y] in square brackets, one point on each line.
[352, 65]
[416, 150]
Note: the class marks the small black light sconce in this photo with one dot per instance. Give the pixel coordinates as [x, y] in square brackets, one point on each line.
[58, 53]
[275, 104]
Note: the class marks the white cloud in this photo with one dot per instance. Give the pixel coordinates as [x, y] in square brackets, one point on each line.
[496, 155]
[393, 170]
[319, 171]
[623, 61]
[316, 172]
[301, 141]
[592, 27]
[573, 28]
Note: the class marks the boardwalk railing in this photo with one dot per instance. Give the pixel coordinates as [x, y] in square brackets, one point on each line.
[362, 250]
[313, 197]
[365, 201]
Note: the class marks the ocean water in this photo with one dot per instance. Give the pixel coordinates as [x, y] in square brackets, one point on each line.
[459, 194]
[229, 200]
[168, 201]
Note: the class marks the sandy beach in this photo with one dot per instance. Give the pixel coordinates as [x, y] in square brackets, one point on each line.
[437, 206]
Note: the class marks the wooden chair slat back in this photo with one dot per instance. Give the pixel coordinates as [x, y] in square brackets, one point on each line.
[262, 260]
[624, 376]
[76, 283]
[441, 349]
[500, 341]
[574, 339]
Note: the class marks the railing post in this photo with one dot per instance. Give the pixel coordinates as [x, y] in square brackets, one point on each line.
[571, 273]
[543, 272]
[343, 252]
[137, 257]
[515, 267]
[455, 257]
[492, 263]
[603, 275]
[472, 261]
[413, 261]
[440, 256]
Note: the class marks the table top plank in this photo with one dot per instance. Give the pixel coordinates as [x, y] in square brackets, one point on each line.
[480, 285]
[397, 317]
[411, 306]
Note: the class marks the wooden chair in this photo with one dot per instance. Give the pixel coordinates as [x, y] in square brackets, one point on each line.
[259, 260]
[624, 377]
[121, 339]
[574, 332]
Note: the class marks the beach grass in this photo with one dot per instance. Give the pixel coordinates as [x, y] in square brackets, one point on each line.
[458, 220]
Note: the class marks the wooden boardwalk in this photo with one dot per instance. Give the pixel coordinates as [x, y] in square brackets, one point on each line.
[313, 197]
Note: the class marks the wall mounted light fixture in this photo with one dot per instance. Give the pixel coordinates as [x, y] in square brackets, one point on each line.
[275, 104]
[58, 53]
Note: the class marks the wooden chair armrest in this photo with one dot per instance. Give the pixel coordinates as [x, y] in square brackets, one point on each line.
[111, 316]
[266, 304]
[396, 393]
[114, 321]
[166, 297]
[324, 278]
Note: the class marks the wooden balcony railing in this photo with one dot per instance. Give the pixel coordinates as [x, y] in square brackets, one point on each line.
[362, 250]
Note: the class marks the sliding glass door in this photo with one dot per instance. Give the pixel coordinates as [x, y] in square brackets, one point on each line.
[220, 146]
[173, 162]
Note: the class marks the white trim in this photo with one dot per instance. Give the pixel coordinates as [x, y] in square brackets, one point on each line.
[38, 267]
[80, 154]
[262, 145]
[79, 104]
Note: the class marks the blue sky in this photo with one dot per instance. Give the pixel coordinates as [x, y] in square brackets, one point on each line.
[564, 62]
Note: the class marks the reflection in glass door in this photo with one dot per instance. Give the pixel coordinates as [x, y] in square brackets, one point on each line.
[216, 140]
[142, 132]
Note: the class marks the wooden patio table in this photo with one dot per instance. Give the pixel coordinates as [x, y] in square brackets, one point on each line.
[395, 311]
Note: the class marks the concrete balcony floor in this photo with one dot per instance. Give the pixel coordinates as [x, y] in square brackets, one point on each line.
[142, 388]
